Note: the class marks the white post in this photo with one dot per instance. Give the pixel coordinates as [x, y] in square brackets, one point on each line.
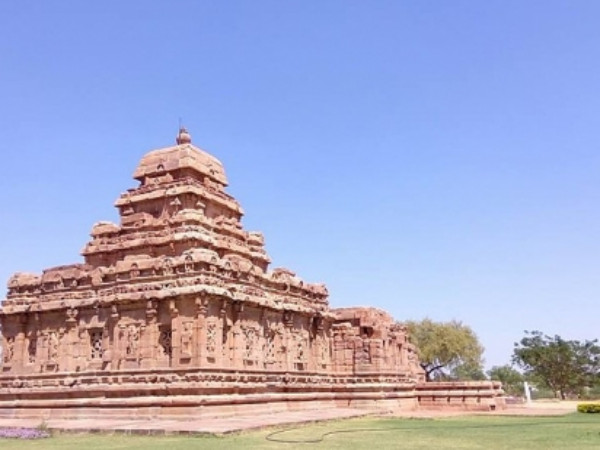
[527, 392]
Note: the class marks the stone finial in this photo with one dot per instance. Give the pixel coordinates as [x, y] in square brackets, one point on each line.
[183, 137]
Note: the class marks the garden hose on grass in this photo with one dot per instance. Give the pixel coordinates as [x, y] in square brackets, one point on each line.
[272, 437]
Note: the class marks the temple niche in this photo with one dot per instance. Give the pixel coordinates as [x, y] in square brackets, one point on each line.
[178, 292]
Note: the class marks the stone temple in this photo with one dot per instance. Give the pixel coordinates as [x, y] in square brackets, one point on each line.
[174, 311]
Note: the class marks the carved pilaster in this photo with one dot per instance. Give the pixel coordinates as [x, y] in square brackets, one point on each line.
[222, 332]
[113, 357]
[68, 358]
[31, 357]
[315, 343]
[149, 348]
[19, 353]
[288, 343]
[237, 345]
[175, 333]
[200, 331]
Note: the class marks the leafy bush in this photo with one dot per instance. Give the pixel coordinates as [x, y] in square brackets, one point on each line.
[588, 408]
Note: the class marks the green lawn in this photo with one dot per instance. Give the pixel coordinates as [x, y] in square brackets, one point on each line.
[573, 431]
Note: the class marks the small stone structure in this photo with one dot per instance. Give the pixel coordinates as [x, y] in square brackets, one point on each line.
[174, 312]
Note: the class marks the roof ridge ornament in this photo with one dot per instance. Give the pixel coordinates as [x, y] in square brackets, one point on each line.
[183, 137]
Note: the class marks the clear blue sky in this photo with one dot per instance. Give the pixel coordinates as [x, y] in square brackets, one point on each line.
[435, 158]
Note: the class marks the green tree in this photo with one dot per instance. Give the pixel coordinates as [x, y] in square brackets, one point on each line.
[468, 372]
[512, 380]
[444, 347]
[564, 366]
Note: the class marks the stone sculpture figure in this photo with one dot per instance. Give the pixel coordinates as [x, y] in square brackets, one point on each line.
[32, 348]
[53, 342]
[132, 337]
[9, 349]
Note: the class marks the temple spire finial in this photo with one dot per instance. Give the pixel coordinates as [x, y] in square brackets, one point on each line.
[183, 137]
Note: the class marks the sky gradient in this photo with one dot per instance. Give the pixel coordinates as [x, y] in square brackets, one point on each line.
[436, 159]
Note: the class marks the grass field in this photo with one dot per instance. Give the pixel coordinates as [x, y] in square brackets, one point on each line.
[573, 431]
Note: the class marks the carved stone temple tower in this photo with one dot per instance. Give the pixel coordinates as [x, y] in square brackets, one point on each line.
[175, 309]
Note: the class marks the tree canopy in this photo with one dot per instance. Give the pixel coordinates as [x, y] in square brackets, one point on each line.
[512, 380]
[468, 372]
[446, 349]
[564, 366]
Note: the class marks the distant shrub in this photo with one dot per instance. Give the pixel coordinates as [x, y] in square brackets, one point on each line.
[588, 408]
[542, 393]
[591, 393]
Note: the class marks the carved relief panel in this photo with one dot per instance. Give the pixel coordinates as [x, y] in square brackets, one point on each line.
[165, 342]
[274, 353]
[211, 336]
[253, 338]
[32, 347]
[9, 349]
[132, 340]
[52, 343]
[96, 344]
[186, 338]
[129, 342]
[299, 349]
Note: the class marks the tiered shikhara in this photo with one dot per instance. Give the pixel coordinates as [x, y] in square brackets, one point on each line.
[176, 307]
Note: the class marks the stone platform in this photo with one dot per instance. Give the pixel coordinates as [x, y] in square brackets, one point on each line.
[241, 422]
[220, 425]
